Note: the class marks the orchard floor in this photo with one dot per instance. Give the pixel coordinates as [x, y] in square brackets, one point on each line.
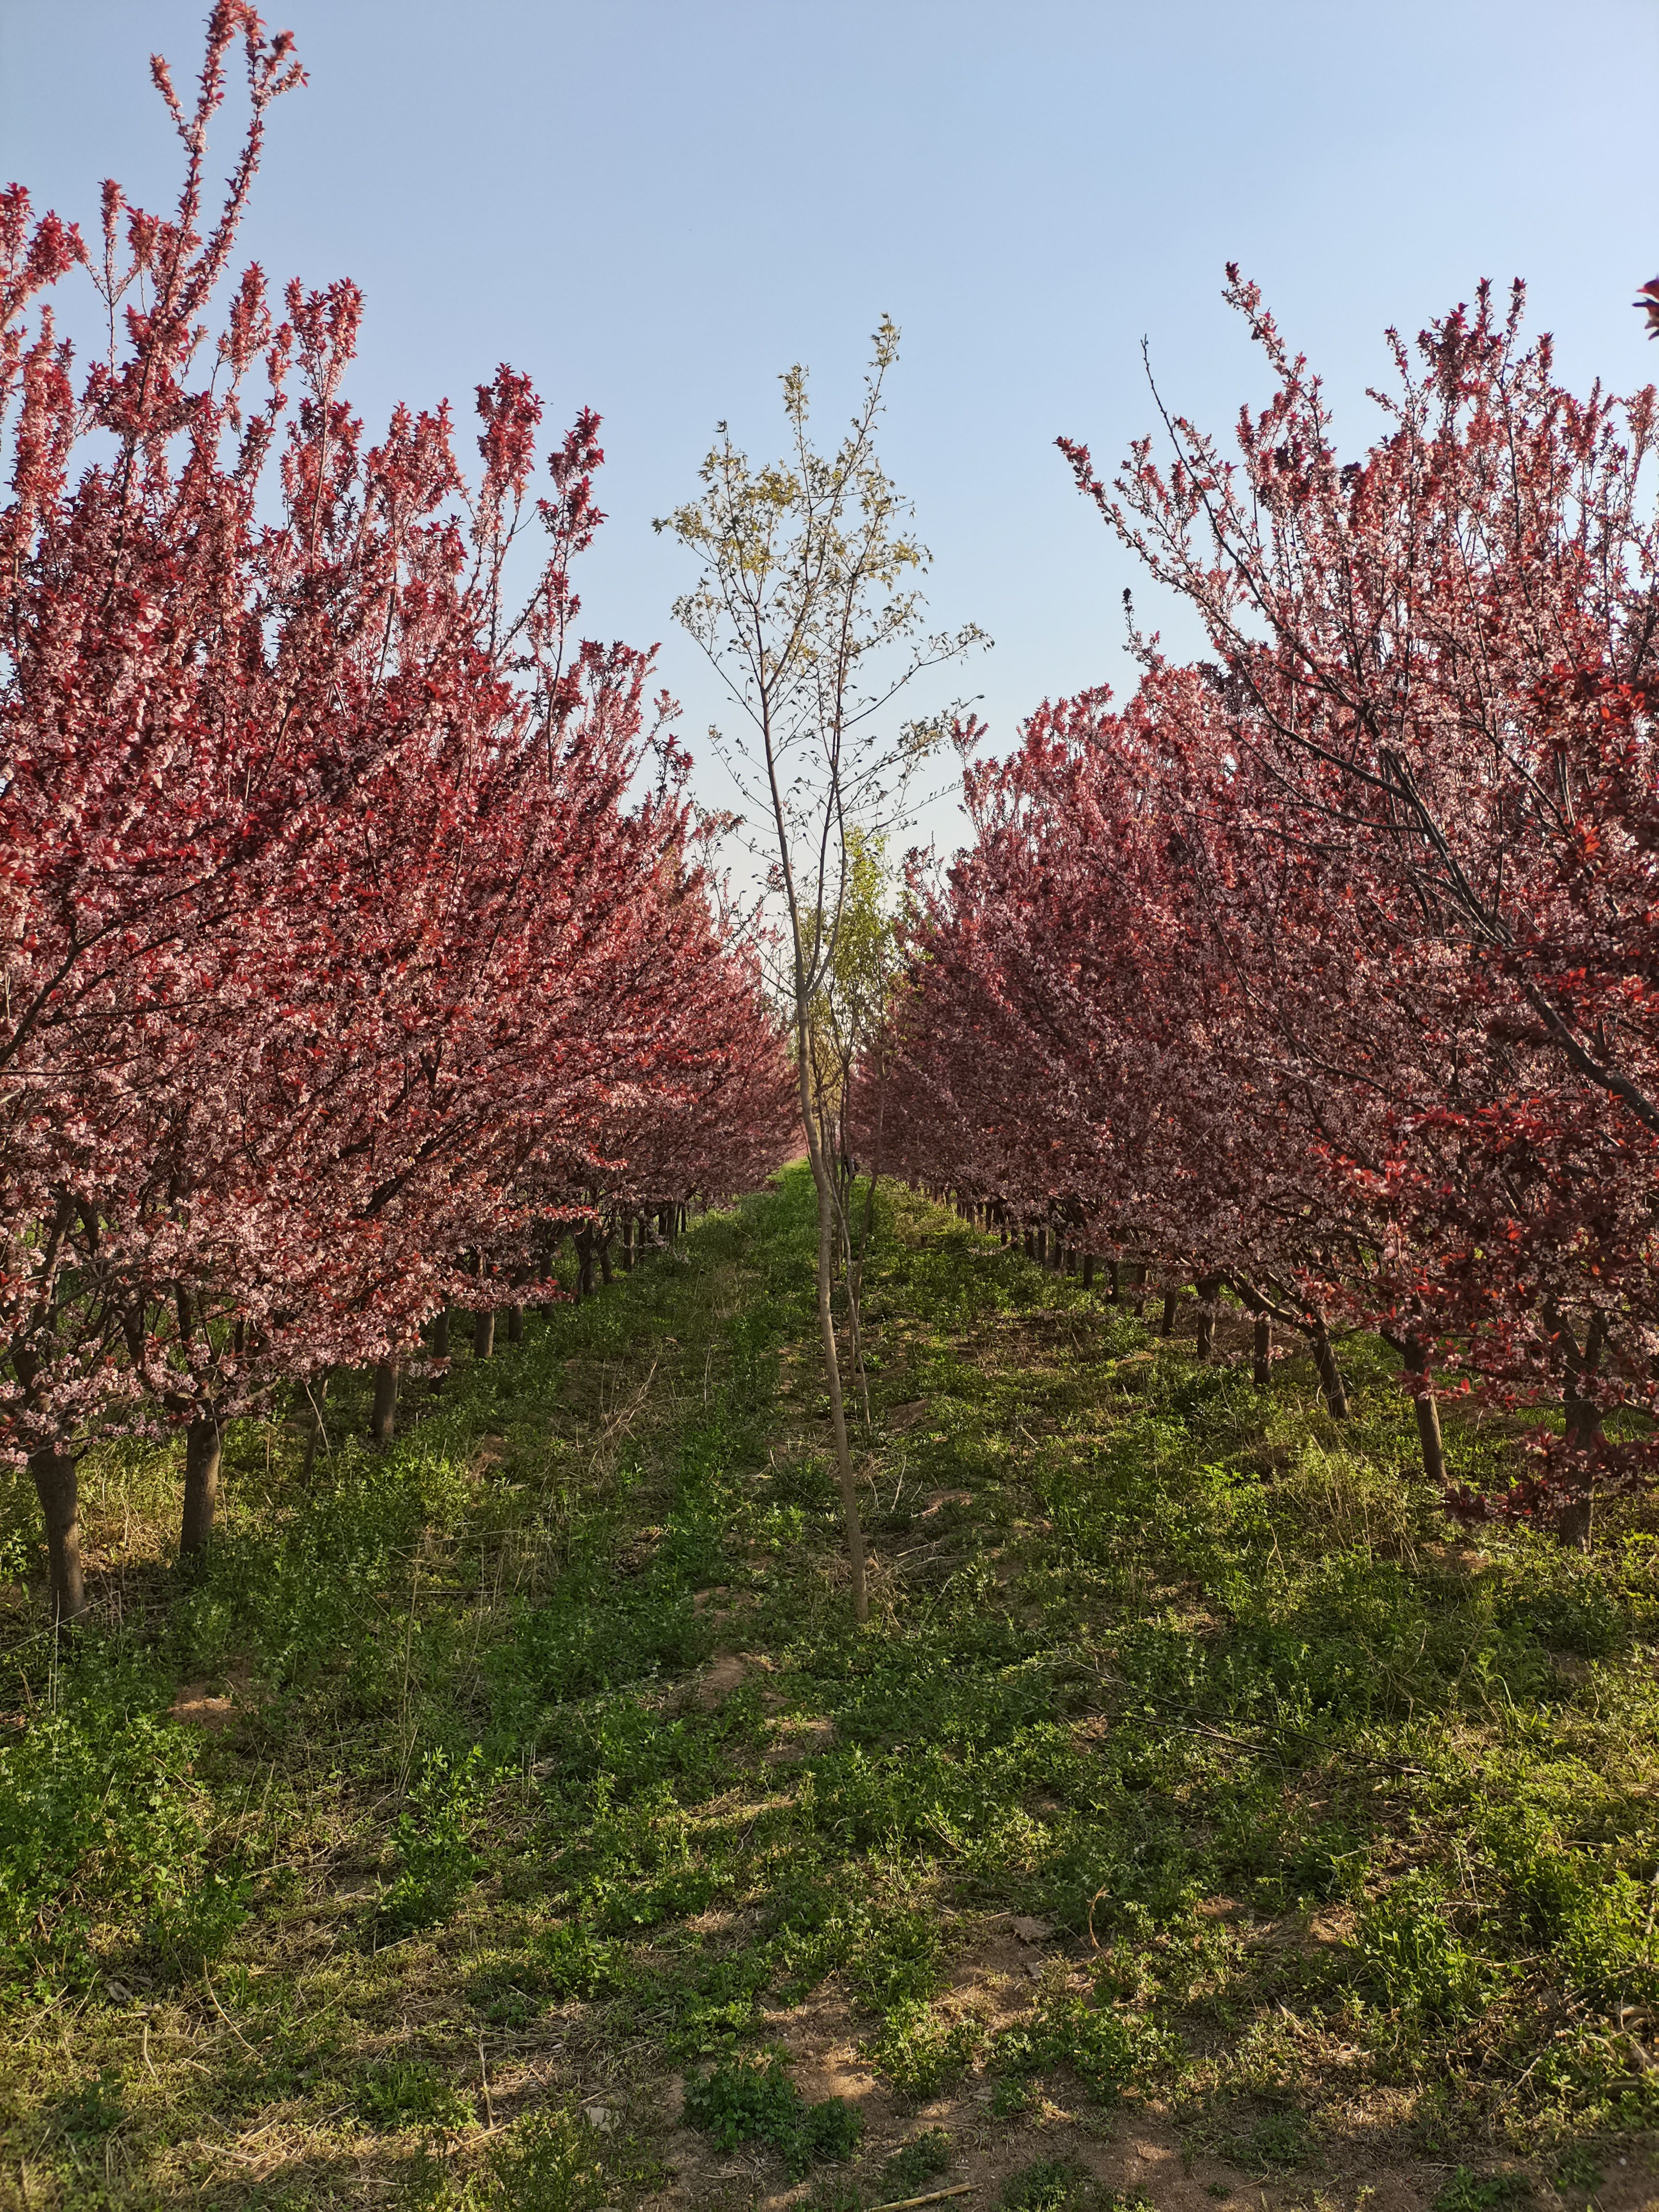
[1199, 1816]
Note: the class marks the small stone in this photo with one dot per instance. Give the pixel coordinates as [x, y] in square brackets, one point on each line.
[1032, 1931]
[601, 2117]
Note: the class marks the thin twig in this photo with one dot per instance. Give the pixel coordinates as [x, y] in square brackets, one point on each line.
[933, 2196]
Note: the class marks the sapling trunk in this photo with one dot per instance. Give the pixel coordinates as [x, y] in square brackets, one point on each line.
[1171, 1299]
[1088, 1271]
[515, 1324]
[57, 1483]
[484, 1334]
[383, 1420]
[1262, 1353]
[1428, 1412]
[850, 1500]
[202, 1442]
[316, 1393]
[1575, 1526]
[1209, 1292]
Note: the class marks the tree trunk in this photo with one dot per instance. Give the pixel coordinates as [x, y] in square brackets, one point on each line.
[1261, 1356]
[1576, 1525]
[57, 1483]
[850, 1499]
[1209, 1290]
[1330, 1375]
[1171, 1300]
[484, 1334]
[384, 1419]
[441, 1341]
[1428, 1413]
[1088, 1271]
[628, 1244]
[1115, 1277]
[606, 1275]
[318, 1394]
[515, 1324]
[202, 1447]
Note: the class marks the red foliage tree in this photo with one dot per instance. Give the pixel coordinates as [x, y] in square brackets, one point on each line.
[326, 912]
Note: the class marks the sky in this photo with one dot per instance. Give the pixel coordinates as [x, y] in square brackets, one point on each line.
[653, 207]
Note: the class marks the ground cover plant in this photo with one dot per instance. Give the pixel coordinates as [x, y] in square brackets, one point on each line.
[516, 1816]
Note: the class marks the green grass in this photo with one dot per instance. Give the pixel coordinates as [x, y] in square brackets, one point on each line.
[1342, 1828]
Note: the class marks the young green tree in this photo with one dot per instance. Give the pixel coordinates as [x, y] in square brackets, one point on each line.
[808, 608]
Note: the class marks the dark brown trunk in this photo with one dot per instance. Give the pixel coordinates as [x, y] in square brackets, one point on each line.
[202, 1447]
[1088, 1271]
[56, 1485]
[1262, 1355]
[384, 1419]
[1330, 1375]
[628, 1245]
[1209, 1293]
[515, 1324]
[1139, 1301]
[606, 1275]
[1171, 1299]
[484, 1334]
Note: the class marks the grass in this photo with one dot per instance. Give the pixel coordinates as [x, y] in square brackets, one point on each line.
[475, 1804]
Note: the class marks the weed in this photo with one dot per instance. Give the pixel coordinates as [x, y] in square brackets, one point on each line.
[920, 2051]
[1273, 2142]
[399, 2092]
[1576, 2168]
[916, 2163]
[435, 1857]
[1049, 2184]
[754, 2101]
[1469, 2192]
[548, 2163]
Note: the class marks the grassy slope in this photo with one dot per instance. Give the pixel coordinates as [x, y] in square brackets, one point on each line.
[1195, 1795]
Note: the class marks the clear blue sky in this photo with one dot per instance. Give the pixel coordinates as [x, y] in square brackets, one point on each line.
[654, 206]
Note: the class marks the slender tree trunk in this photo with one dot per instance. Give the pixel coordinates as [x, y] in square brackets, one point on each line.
[606, 1275]
[202, 1442]
[440, 1342]
[1261, 1356]
[316, 1393]
[515, 1324]
[628, 1244]
[1577, 1524]
[1330, 1375]
[1427, 1411]
[57, 1483]
[1171, 1299]
[484, 1334]
[850, 1499]
[1088, 1271]
[1139, 1301]
[384, 1419]
[1209, 1290]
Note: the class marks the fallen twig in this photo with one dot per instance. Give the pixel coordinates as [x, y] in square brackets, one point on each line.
[903, 2203]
